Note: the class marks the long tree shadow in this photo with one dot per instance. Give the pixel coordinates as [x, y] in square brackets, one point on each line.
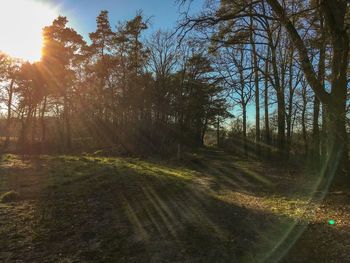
[127, 210]
[224, 171]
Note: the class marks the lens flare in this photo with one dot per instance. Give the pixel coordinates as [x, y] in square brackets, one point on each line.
[21, 24]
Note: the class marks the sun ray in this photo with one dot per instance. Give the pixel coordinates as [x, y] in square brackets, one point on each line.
[21, 24]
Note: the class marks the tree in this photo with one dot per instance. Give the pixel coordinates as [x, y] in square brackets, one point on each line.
[334, 101]
[31, 90]
[63, 47]
[8, 72]
[255, 65]
[101, 49]
[233, 68]
[162, 61]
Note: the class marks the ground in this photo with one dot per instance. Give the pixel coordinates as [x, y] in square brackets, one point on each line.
[209, 207]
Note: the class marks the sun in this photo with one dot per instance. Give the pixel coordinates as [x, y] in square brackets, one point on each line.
[21, 24]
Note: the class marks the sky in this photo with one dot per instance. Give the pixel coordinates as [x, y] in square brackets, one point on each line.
[164, 15]
[23, 20]
[82, 13]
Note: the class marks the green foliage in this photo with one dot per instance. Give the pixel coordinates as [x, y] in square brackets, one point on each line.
[103, 38]
[117, 93]
[62, 47]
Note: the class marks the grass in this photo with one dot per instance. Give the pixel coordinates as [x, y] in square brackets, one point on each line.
[210, 207]
[10, 196]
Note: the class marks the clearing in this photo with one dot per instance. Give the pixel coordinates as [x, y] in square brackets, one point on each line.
[212, 207]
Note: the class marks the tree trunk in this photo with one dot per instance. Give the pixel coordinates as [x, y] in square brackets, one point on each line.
[43, 126]
[337, 152]
[256, 83]
[218, 132]
[335, 102]
[316, 133]
[266, 104]
[316, 111]
[290, 102]
[26, 123]
[323, 140]
[281, 121]
[303, 119]
[281, 118]
[9, 111]
[34, 126]
[336, 109]
[244, 109]
[67, 130]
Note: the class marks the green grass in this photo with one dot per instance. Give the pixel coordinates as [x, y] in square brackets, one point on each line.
[207, 207]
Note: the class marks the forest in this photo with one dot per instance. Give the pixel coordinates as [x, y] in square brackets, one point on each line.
[223, 139]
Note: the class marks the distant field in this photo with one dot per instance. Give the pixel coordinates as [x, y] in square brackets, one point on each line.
[211, 207]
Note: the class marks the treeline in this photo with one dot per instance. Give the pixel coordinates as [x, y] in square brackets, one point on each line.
[287, 59]
[122, 91]
[296, 55]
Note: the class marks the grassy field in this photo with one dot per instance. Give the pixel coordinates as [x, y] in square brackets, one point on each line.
[210, 207]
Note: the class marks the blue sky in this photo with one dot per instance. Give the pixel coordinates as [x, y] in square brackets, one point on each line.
[164, 15]
[82, 13]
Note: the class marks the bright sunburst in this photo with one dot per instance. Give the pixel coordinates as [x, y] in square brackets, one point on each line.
[21, 24]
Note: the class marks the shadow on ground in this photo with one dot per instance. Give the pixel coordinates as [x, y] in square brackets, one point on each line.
[89, 209]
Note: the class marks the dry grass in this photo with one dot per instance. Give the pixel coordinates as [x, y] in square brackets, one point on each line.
[218, 208]
[10, 196]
